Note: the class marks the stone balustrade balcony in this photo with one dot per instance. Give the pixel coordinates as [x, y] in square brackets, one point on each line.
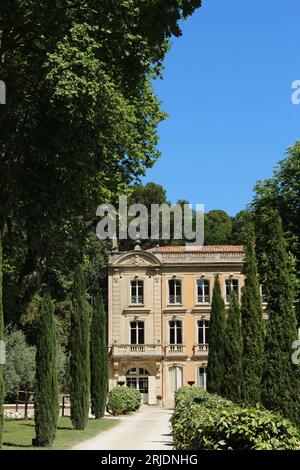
[175, 350]
[139, 350]
[201, 349]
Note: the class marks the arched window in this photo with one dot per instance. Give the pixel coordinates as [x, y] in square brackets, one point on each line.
[137, 371]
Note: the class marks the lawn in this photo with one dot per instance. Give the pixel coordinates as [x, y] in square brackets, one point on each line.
[19, 434]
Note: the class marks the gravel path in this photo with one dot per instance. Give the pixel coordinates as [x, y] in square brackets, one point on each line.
[148, 429]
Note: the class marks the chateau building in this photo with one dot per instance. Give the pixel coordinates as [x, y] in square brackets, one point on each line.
[159, 313]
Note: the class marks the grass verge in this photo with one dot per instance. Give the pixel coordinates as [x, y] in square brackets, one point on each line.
[18, 434]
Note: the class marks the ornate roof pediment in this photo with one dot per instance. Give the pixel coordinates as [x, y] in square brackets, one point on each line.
[134, 259]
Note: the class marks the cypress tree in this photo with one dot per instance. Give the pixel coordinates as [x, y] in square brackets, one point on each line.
[233, 351]
[46, 406]
[252, 324]
[281, 378]
[80, 354]
[99, 359]
[1, 339]
[215, 367]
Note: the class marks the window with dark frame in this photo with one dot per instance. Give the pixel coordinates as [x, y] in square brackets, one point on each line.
[138, 378]
[137, 292]
[175, 327]
[203, 332]
[137, 333]
[202, 377]
[175, 291]
[203, 291]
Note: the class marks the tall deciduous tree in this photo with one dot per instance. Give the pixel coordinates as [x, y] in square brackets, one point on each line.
[215, 367]
[80, 354]
[99, 359]
[233, 351]
[281, 378]
[252, 324]
[46, 406]
[81, 116]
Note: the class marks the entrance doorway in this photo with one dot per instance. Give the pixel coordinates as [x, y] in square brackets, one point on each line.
[175, 378]
[138, 378]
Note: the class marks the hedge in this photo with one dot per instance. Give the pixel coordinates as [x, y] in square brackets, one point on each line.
[123, 400]
[202, 421]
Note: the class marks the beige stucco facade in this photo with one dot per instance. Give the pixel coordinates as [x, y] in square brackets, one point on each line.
[156, 338]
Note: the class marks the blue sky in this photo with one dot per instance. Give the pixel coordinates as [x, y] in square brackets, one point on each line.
[227, 89]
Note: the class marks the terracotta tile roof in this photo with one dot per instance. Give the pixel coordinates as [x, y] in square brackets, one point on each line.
[198, 248]
[194, 253]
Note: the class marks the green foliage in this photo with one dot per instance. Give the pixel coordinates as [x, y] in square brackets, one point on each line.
[18, 374]
[215, 368]
[116, 404]
[123, 400]
[63, 370]
[80, 354]
[1, 339]
[202, 421]
[282, 193]
[221, 229]
[218, 228]
[148, 194]
[29, 321]
[80, 122]
[46, 406]
[281, 378]
[239, 227]
[252, 325]
[233, 351]
[99, 359]
[95, 258]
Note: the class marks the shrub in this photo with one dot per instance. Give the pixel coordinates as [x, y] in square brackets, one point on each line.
[123, 400]
[18, 374]
[202, 421]
[116, 404]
